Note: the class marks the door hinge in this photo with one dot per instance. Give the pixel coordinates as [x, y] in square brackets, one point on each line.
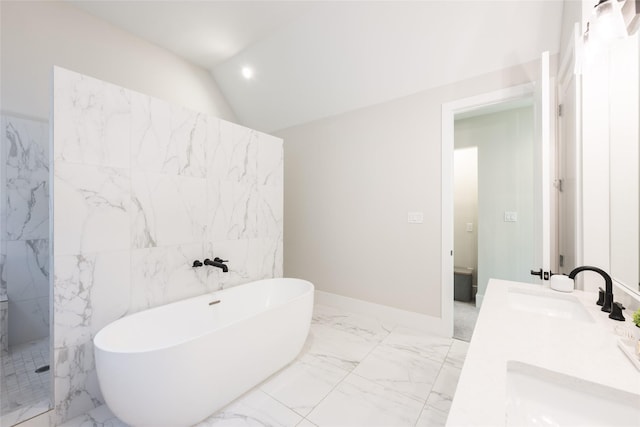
[559, 110]
[559, 184]
[561, 260]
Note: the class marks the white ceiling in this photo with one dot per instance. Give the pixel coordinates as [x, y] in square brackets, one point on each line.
[314, 59]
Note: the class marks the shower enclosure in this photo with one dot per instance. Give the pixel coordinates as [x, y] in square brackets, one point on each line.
[24, 268]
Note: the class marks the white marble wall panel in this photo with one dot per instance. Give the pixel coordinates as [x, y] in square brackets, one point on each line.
[91, 209]
[167, 209]
[270, 163]
[188, 139]
[27, 269]
[3, 197]
[3, 272]
[76, 385]
[28, 320]
[269, 253]
[270, 215]
[90, 291]
[241, 263]
[232, 210]
[24, 231]
[97, 125]
[150, 134]
[131, 218]
[4, 327]
[26, 157]
[165, 274]
[27, 277]
[234, 157]
[166, 138]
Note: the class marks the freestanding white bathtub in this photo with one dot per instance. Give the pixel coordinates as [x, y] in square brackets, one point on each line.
[176, 364]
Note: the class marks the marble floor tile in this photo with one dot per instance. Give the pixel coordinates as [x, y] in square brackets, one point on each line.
[359, 402]
[400, 370]
[21, 387]
[420, 343]
[304, 383]
[255, 408]
[457, 353]
[342, 349]
[465, 316]
[444, 388]
[306, 423]
[366, 327]
[24, 412]
[98, 417]
[431, 417]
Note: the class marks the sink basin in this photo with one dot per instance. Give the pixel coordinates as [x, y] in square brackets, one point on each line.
[539, 397]
[559, 306]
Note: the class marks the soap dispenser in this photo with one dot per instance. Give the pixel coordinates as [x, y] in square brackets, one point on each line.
[561, 283]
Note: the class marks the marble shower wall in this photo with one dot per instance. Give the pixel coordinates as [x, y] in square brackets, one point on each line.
[141, 189]
[24, 230]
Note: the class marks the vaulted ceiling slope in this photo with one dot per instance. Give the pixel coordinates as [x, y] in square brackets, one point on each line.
[313, 59]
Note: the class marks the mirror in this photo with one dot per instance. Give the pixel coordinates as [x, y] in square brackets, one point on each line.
[624, 137]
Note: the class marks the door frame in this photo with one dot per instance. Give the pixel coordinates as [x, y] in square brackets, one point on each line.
[570, 70]
[449, 110]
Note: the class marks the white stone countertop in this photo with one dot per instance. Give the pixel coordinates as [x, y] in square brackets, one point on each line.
[584, 350]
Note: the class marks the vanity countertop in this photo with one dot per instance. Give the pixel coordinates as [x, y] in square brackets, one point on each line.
[584, 350]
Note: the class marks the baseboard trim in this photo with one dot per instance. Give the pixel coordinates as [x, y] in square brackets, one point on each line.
[385, 313]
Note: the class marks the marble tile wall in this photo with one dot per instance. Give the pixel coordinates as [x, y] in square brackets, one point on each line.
[4, 328]
[141, 189]
[24, 235]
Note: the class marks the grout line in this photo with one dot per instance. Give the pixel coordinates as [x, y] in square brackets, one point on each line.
[349, 372]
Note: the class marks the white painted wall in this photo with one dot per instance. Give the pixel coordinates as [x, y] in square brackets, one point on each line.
[571, 14]
[505, 142]
[465, 208]
[349, 182]
[35, 36]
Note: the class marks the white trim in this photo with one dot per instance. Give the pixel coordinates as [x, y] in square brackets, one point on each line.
[449, 110]
[385, 313]
[545, 147]
[577, 36]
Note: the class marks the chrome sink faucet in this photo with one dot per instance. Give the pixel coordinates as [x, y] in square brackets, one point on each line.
[608, 293]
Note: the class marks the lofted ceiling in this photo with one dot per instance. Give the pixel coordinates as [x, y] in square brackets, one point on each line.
[313, 59]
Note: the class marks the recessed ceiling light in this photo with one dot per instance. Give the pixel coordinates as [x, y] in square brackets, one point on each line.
[247, 73]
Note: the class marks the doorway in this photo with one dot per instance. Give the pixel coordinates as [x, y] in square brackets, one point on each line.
[494, 224]
[544, 122]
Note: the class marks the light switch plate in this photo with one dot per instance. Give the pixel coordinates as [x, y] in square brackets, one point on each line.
[470, 227]
[510, 216]
[415, 217]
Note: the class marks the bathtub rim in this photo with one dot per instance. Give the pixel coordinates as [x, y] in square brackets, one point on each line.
[97, 341]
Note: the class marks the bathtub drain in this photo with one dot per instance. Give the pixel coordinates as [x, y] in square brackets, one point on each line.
[214, 302]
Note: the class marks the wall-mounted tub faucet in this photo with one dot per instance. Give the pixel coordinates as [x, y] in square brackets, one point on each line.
[608, 293]
[217, 262]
